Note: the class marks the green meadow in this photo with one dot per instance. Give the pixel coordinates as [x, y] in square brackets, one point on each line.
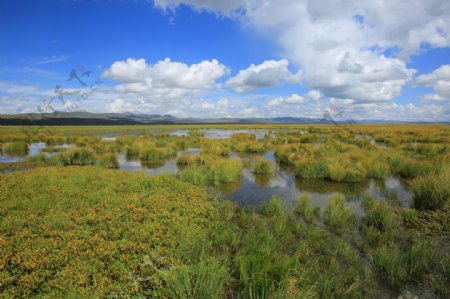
[75, 223]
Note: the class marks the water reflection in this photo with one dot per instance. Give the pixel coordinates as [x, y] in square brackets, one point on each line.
[220, 134]
[254, 189]
[151, 167]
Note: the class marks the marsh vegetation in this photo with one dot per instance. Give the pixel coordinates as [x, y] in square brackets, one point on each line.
[250, 211]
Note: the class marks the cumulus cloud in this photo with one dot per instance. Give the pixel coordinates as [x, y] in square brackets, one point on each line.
[166, 78]
[224, 7]
[267, 74]
[290, 100]
[118, 106]
[346, 49]
[313, 94]
[439, 81]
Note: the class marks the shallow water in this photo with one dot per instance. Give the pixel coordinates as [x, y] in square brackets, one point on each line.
[33, 150]
[12, 157]
[220, 134]
[254, 189]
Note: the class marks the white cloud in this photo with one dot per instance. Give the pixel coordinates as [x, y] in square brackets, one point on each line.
[129, 71]
[313, 94]
[225, 7]
[439, 80]
[267, 74]
[223, 103]
[166, 78]
[340, 45]
[290, 100]
[118, 106]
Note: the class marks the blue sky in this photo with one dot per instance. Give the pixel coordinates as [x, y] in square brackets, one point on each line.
[210, 58]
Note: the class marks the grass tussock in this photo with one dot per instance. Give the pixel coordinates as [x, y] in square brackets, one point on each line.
[263, 167]
[339, 217]
[304, 209]
[213, 172]
[108, 160]
[431, 192]
[15, 148]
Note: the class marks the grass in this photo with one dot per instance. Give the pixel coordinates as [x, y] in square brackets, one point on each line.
[431, 192]
[387, 260]
[75, 156]
[381, 224]
[303, 208]
[188, 159]
[63, 233]
[108, 160]
[214, 172]
[15, 147]
[88, 232]
[203, 280]
[339, 217]
[263, 167]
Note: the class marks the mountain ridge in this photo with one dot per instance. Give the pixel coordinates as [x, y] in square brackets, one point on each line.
[128, 118]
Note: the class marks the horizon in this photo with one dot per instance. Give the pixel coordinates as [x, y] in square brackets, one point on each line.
[213, 59]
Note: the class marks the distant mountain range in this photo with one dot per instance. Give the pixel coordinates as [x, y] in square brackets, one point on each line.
[88, 118]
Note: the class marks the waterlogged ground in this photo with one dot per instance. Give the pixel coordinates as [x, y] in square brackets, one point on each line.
[368, 204]
[254, 189]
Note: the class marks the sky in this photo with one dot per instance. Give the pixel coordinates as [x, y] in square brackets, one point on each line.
[353, 60]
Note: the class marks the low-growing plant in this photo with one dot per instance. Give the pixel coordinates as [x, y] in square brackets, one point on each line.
[263, 167]
[206, 279]
[381, 224]
[431, 192]
[304, 209]
[108, 160]
[79, 156]
[188, 159]
[339, 217]
[16, 148]
[213, 172]
[387, 260]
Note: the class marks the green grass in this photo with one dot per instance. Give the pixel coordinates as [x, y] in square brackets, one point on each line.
[188, 159]
[381, 224]
[303, 208]
[431, 192]
[88, 230]
[339, 217]
[203, 280]
[15, 147]
[77, 156]
[213, 172]
[388, 262]
[263, 167]
[92, 232]
[108, 160]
